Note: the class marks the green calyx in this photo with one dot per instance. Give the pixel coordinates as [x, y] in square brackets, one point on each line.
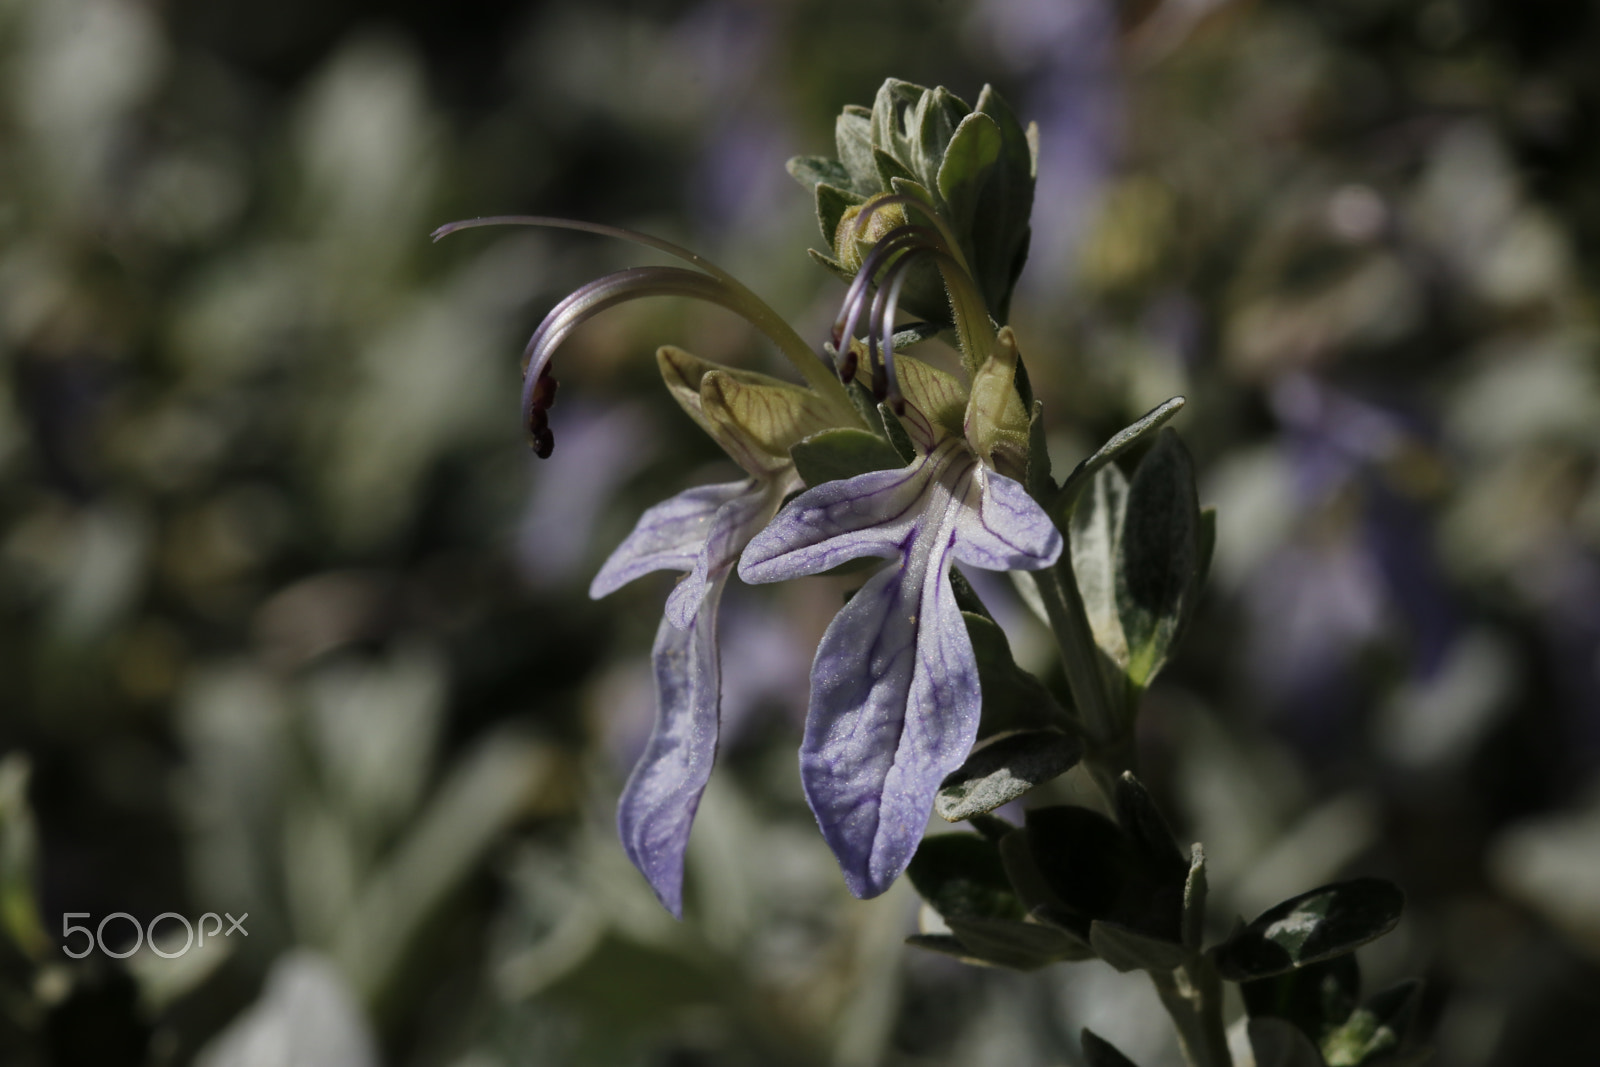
[974, 166]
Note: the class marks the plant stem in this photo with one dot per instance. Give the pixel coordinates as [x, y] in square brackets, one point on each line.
[1192, 995]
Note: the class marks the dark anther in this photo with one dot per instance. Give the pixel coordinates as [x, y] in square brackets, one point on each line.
[847, 364]
[543, 442]
[544, 389]
[880, 383]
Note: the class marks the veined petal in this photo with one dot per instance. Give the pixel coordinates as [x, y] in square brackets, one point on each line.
[730, 529]
[894, 706]
[658, 804]
[669, 536]
[872, 514]
[1002, 528]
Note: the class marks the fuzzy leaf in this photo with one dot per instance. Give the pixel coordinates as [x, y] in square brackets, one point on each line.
[852, 137]
[1119, 443]
[832, 203]
[1003, 769]
[1096, 547]
[1159, 556]
[961, 877]
[1314, 926]
[972, 153]
[1128, 950]
[833, 455]
[814, 170]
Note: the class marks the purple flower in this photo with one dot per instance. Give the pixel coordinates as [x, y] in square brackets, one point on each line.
[894, 687]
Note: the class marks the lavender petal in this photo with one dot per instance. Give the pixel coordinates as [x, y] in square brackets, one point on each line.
[894, 709]
[1003, 528]
[658, 804]
[669, 536]
[871, 514]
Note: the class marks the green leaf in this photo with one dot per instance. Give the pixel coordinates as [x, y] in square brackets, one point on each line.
[815, 170]
[1096, 543]
[1119, 443]
[1040, 484]
[938, 114]
[1317, 998]
[899, 440]
[1021, 946]
[971, 154]
[832, 203]
[1004, 768]
[1314, 926]
[1128, 950]
[1159, 565]
[1013, 699]
[1098, 1052]
[1277, 1043]
[895, 102]
[833, 455]
[961, 877]
[834, 267]
[1208, 544]
[1142, 821]
[1378, 1031]
[1194, 900]
[890, 170]
[852, 136]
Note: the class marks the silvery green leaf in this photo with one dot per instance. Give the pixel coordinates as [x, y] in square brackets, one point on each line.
[1194, 900]
[1208, 544]
[937, 114]
[834, 267]
[833, 455]
[1143, 822]
[972, 152]
[1313, 926]
[1158, 568]
[1119, 443]
[1040, 483]
[1022, 946]
[890, 169]
[1003, 768]
[852, 135]
[1013, 699]
[890, 110]
[1096, 531]
[832, 203]
[814, 170]
[1098, 1052]
[961, 876]
[1277, 1043]
[1128, 950]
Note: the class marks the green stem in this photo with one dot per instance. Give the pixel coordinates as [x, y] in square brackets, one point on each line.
[1192, 995]
[1080, 656]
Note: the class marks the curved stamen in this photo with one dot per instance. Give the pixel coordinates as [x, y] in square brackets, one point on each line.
[740, 299]
[539, 387]
[951, 245]
[897, 401]
[900, 239]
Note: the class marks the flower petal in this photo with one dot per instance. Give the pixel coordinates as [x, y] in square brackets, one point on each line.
[658, 804]
[871, 514]
[1003, 528]
[731, 528]
[669, 536]
[894, 709]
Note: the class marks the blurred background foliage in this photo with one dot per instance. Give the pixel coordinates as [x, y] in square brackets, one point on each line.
[291, 622]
